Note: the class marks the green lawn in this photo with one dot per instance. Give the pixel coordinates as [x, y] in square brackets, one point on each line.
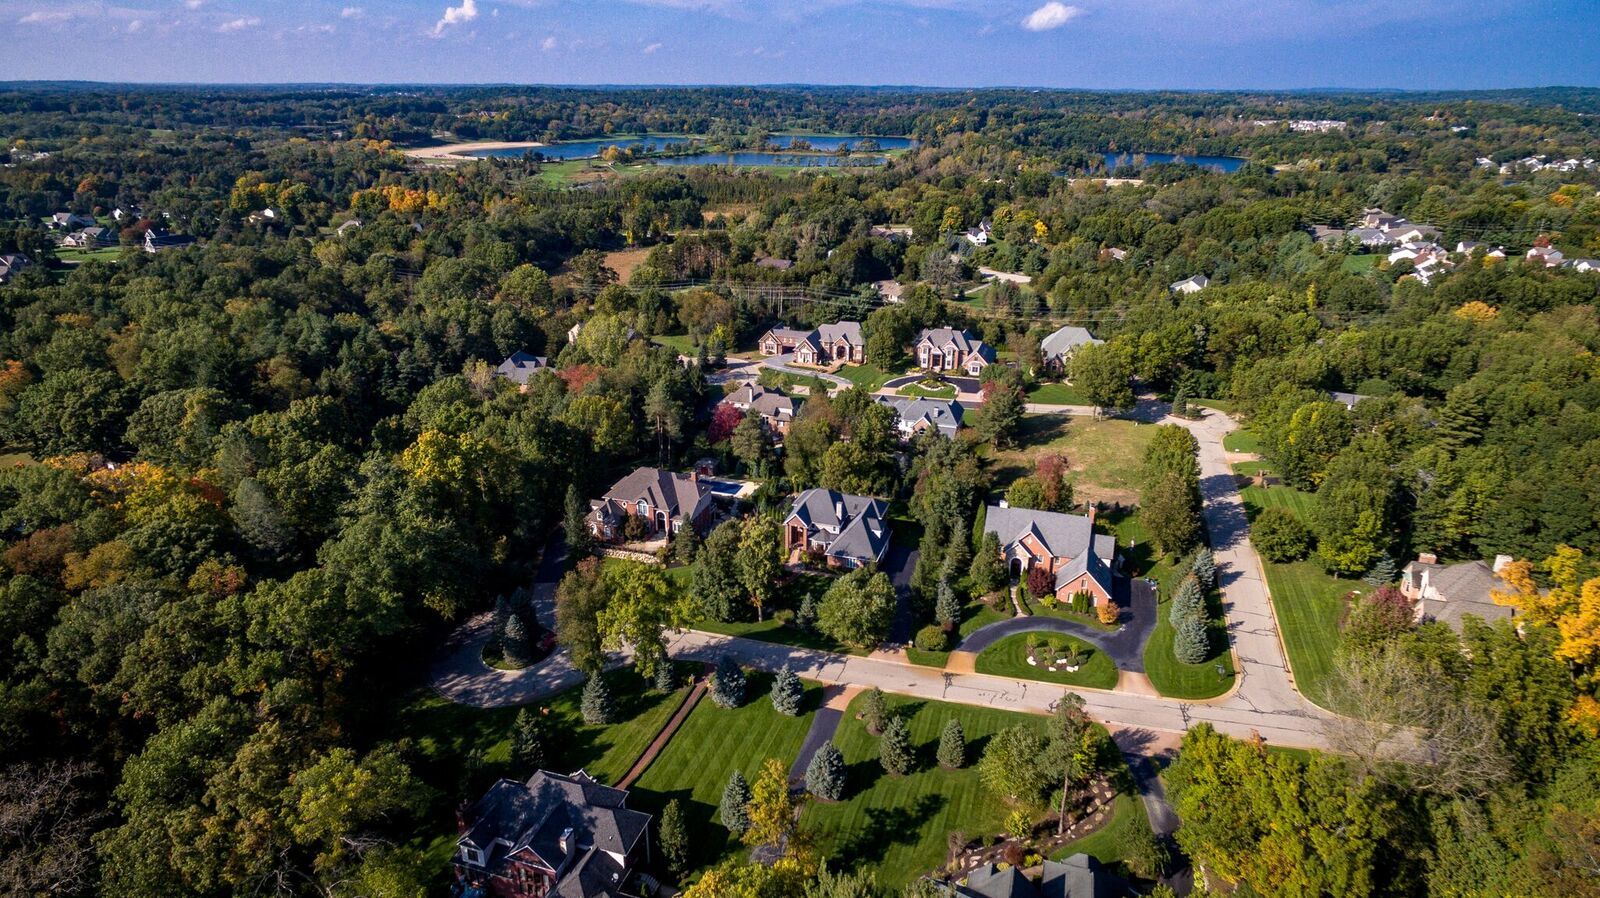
[1358, 264]
[712, 743]
[896, 826]
[779, 624]
[1009, 658]
[770, 378]
[867, 376]
[1105, 454]
[103, 254]
[1104, 844]
[1243, 440]
[1251, 468]
[1307, 602]
[948, 391]
[13, 459]
[974, 615]
[1209, 678]
[1226, 406]
[683, 344]
[1057, 394]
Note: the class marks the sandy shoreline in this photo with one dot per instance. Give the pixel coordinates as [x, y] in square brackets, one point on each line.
[460, 150]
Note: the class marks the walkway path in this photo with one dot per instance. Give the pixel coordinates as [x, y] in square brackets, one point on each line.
[824, 724]
[696, 691]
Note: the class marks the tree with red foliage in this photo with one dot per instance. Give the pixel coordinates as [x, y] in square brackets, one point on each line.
[723, 421]
[1052, 473]
[1377, 618]
[1041, 582]
[579, 376]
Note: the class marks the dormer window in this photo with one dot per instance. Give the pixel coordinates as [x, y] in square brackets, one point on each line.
[471, 855]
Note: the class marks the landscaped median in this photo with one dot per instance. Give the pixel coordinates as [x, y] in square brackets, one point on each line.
[1051, 654]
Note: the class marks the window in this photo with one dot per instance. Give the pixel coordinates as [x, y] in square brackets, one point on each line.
[471, 855]
[642, 507]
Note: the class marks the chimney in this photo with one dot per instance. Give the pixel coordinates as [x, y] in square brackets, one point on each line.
[838, 510]
[1500, 562]
[1427, 558]
[1093, 507]
[566, 842]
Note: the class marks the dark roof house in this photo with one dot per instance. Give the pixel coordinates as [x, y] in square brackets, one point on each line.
[10, 264]
[520, 366]
[1449, 592]
[849, 531]
[665, 500]
[564, 835]
[158, 241]
[949, 349]
[916, 415]
[1063, 544]
[1059, 346]
[1079, 876]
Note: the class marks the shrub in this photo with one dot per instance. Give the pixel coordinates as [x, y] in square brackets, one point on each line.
[1204, 567]
[673, 838]
[825, 775]
[597, 704]
[932, 638]
[787, 693]
[528, 739]
[1280, 536]
[727, 683]
[1041, 582]
[1019, 826]
[947, 605]
[953, 745]
[666, 678]
[1108, 612]
[1189, 601]
[516, 647]
[894, 751]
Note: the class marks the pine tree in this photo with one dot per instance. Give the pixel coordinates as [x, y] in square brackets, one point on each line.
[953, 745]
[1190, 642]
[875, 711]
[579, 540]
[666, 678]
[732, 812]
[673, 838]
[528, 740]
[894, 750]
[958, 557]
[598, 706]
[1190, 601]
[1204, 567]
[1383, 571]
[515, 645]
[787, 693]
[825, 775]
[947, 606]
[502, 613]
[727, 683]
[1180, 401]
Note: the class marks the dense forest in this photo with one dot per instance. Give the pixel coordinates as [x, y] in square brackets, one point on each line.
[248, 484]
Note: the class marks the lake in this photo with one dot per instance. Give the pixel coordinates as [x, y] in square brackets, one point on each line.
[1224, 164]
[584, 149]
[802, 160]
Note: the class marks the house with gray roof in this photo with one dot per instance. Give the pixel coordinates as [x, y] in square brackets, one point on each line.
[1348, 400]
[561, 835]
[1079, 876]
[776, 408]
[1058, 347]
[846, 531]
[664, 501]
[10, 264]
[520, 367]
[1193, 284]
[1063, 544]
[829, 344]
[69, 221]
[917, 415]
[159, 241]
[90, 238]
[949, 349]
[1449, 592]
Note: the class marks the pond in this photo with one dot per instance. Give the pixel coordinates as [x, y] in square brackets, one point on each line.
[584, 149]
[1224, 164]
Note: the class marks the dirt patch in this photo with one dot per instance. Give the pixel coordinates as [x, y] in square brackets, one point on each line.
[624, 261]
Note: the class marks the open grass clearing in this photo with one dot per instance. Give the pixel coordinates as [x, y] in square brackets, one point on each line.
[1057, 394]
[1243, 441]
[947, 391]
[624, 261]
[897, 826]
[1009, 658]
[868, 377]
[1105, 843]
[712, 743]
[1104, 454]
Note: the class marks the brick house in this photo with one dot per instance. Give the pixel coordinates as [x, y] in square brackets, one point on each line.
[829, 344]
[776, 408]
[848, 531]
[948, 349]
[1065, 545]
[1448, 592]
[562, 835]
[664, 500]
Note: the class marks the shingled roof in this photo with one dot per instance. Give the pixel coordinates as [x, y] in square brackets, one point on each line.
[853, 528]
[1068, 536]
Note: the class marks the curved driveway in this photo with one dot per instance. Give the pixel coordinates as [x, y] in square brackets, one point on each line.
[1125, 645]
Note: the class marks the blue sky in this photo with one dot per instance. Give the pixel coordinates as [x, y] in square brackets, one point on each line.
[1047, 43]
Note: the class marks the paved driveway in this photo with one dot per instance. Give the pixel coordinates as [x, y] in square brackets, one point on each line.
[900, 563]
[783, 362]
[1125, 646]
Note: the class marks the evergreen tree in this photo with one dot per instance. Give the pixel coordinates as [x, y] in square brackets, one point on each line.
[894, 750]
[516, 647]
[875, 711]
[1204, 567]
[1382, 572]
[666, 678]
[528, 738]
[1190, 642]
[953, 745]
[825, 775]
[988, 566]
[732, 811]
[502, 613]
[673, 838]
[958, 557]
[947, 606]
[787, 693]
[1180, 400]
[727, 683]
[597, 704]
[1189, 601]
[579, 540]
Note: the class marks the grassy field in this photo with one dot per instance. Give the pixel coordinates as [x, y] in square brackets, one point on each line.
[13, 459]
[1243, 440]
[866, 376]
[973, 616]
[1358, 264]
[712, 743]
[682, 344]
[897, 825]
[104, 254]
[1105, 455]
[1009, 658]
[948, 391]
[1308, 602]
[770, 378]
[1209, 678]
[1057, 394]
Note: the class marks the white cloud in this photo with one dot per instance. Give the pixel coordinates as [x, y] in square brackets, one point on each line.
[652, 48]
[194, 4]
[455, 15]
[43, 17]
[1051, 15]
[352, 12]
[548, 44]
[238, 24]
[136, 26]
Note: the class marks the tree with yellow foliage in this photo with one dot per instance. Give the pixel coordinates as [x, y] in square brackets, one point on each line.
[1571, 604]
[1477, 312]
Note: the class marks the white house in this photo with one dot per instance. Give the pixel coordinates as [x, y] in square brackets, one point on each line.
[1191, 284]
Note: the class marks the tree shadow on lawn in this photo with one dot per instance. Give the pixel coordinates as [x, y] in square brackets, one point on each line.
[885, 827]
